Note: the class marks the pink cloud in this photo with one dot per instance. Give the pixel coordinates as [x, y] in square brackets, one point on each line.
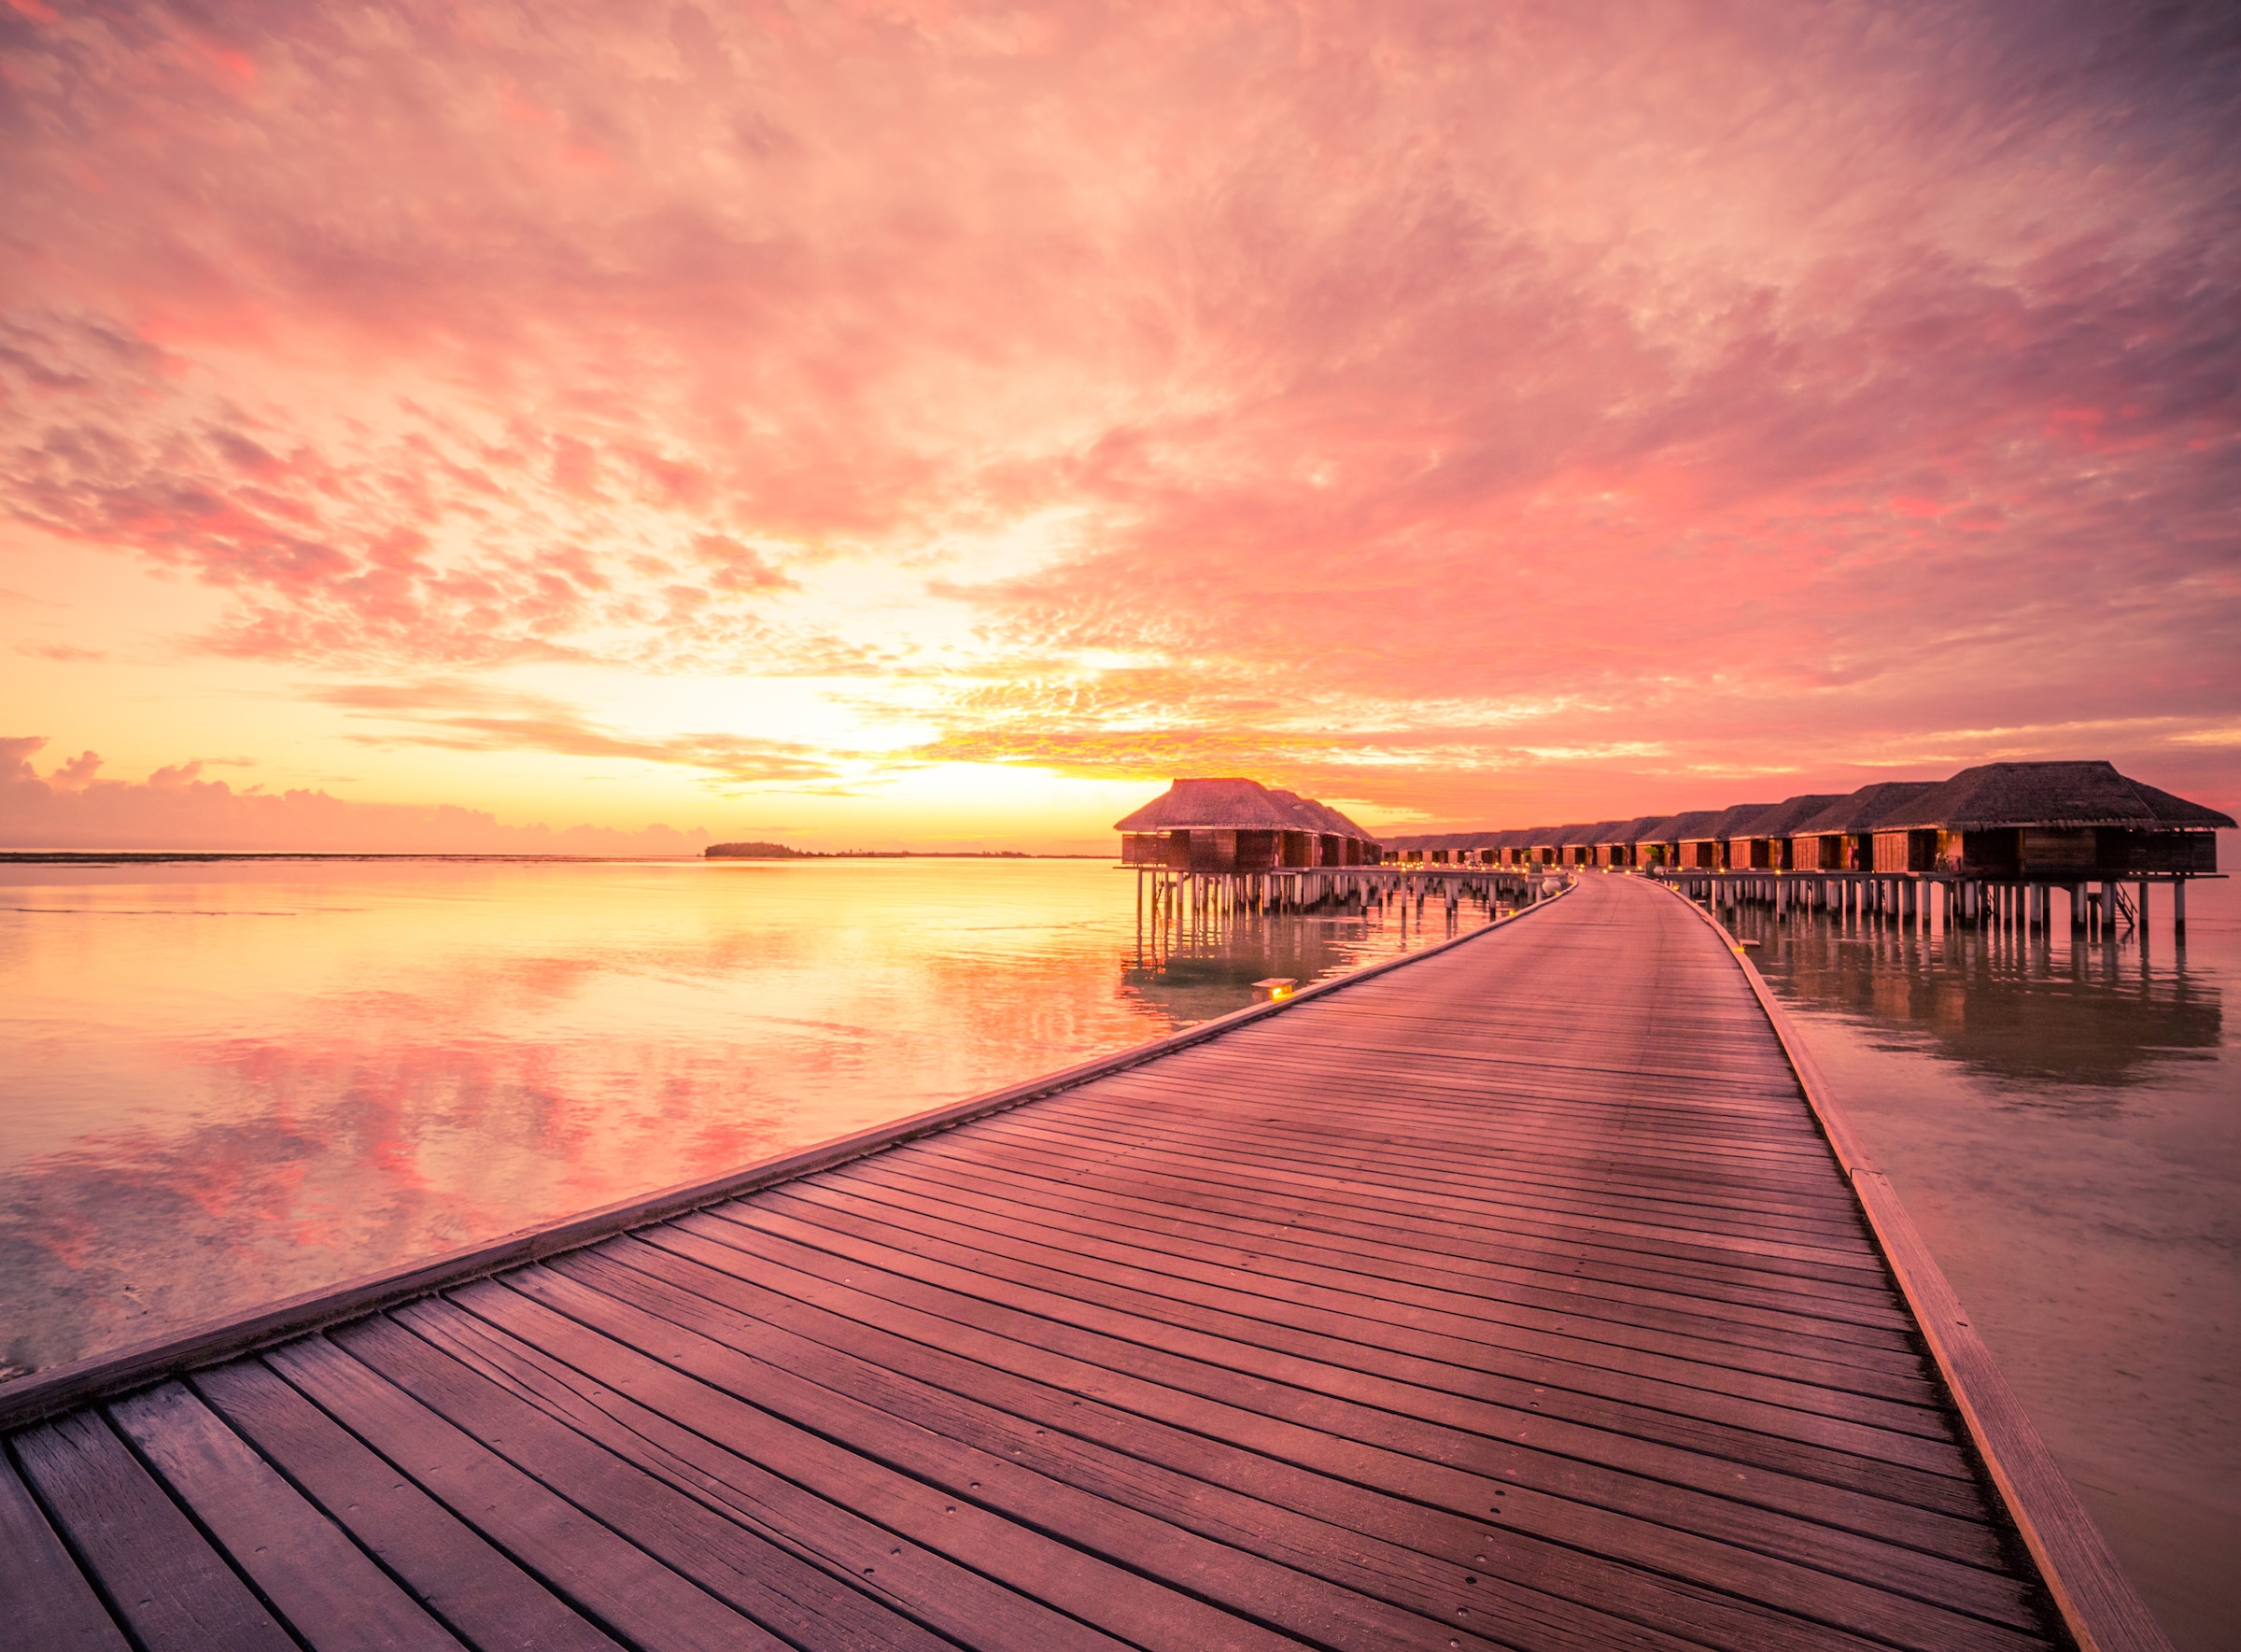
[1829, 386]
[173, 810]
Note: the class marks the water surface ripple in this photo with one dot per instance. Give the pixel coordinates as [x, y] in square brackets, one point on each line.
[2063, 1123]
[223, 1083]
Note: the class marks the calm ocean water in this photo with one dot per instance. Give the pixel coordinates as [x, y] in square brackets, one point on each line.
[2064, 1126]
[224, 1084]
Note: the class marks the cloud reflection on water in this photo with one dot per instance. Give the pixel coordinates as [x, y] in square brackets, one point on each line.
[197, 1116]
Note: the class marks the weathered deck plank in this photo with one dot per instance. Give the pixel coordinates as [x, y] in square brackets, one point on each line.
[1512, 1297]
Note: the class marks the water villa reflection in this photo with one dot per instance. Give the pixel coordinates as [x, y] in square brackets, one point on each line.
[2053, 1024]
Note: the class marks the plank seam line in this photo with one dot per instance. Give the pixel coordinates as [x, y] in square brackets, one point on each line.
[1580, 1378]
[319, 1507]
[2096, 1601]
[73, 1550]
[194, 1516]
[104, 1376]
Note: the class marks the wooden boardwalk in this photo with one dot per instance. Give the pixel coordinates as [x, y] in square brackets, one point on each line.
[1512, 1297]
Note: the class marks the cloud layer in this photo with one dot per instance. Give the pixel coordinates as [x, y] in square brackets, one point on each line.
[175, 809]
[1438, 406]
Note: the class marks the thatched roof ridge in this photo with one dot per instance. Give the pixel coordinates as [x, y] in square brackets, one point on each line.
[1784, 818]
[1673, 828]
[1863, 811]
[1555, 837]
[1592, 833]
[1236, 804]
[1482, 838]
[2059, 795]
[1723, 824]
[1216, 805]
[1321, 817]
[2177, 812]
[1630, 831]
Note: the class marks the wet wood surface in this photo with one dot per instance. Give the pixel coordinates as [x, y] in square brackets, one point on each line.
[1512, 1297]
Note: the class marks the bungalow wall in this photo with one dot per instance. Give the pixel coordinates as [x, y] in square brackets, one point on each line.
[1905, 852]
[2160, 852]
[1257, 851]
[1822, 852]
[1993, 852]
[1213, 849]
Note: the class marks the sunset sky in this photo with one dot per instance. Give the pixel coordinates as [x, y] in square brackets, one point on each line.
[936, 424]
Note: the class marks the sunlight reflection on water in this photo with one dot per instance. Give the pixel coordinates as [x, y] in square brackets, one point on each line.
[225, 1083]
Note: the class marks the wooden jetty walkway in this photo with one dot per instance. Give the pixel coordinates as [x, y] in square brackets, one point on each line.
[1510, 1295]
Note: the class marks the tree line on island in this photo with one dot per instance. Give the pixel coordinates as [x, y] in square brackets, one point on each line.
[780, 852]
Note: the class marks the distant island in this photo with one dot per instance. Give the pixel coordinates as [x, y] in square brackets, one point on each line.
[780, 852]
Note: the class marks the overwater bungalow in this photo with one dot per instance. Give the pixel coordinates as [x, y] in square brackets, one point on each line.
[1615, 846]
[1704, 847]
[2048, 821]
[1342, 842]
[1240, 826]
[1652, 845]
[1659, 845]
[1993, 843]
[1763, 843]
[1841, 837]
[1546, 844]
[1580, 840]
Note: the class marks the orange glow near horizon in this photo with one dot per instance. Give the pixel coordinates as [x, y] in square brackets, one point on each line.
[941, 427]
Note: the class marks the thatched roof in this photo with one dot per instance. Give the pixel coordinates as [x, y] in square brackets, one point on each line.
[1725, 823]
[1236, 805]
[1679, 827]
[1325, 818]
[1865, 810]
[2056, 795]
[1215, 805]
[1632, 831]
[1995, 795]
[1555, 837]
[1781, 820]
[2176, 812]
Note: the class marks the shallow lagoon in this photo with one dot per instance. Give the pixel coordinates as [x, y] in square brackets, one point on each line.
[222, 1083]
[2064, 1122]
